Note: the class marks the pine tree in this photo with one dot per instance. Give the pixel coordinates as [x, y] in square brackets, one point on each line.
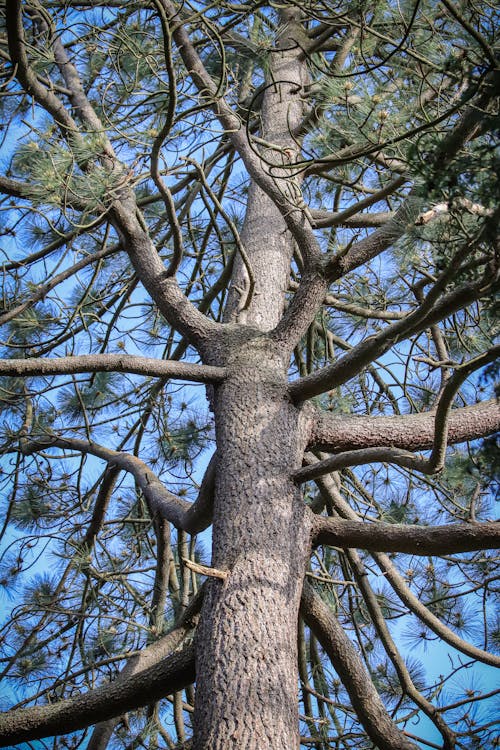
[248, 410]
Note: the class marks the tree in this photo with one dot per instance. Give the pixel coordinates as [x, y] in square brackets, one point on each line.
[294, 206]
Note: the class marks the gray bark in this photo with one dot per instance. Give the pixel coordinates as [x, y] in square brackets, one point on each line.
[265, 236]
[247, 642]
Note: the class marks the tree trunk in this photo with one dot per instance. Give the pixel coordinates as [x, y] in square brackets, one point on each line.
[265, 236]
[247, 676]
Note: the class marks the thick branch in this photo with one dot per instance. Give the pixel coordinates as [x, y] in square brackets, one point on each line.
[351, 670]
[328, 488]
[292, 209]
[15, 188]
[375, 346]
[146, 658]
[339, 218]
[414, 540]
[410, 432]
[113, 363]
[27, 78]
[170, 673]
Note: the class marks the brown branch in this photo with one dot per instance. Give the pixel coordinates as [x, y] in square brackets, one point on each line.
[15, 188]
[323, 218]
[431, 311]
[190, 517]
[397, 581]
[337, 219]
[362, 312]
[128, 363]
[28, 79]
[364, 698]
[146, 658]
[411, 539]
[431, 465]
[160, 669]
[410, 432]
[164, 290]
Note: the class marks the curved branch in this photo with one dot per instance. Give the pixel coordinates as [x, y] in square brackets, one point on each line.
[375, 346]
[163, 289]
[102, 732]
[411, 539]
[339, 218]
[28, 79]
[190, 517]
[129, 363]
[168, 673]
[365, 700]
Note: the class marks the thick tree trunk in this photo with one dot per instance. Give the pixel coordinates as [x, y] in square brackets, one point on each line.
[247, 676]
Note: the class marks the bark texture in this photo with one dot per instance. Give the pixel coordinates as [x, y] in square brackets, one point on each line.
[247, 656]
[265, 235]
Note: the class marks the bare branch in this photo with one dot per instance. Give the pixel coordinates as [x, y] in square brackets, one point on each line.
[407, 432]
[412, 539]
[351, 670]
[327, 486]
[113, 363]
[170, 667]
[337, 219]
[431, 311]
[191, 517]
[102, 732]
[28, 79]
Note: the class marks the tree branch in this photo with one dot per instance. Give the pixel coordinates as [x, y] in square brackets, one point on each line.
[410, 432]
[432, 310]
[146, 658]
[190, 517]
[431, 465]
[339, 218]
[163, 667]
[28, 79]
[364, 698]
[411, 539]
[129, 363]
[398, 583]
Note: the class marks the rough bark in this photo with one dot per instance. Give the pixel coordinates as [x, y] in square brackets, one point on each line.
[265, 235]
[112, 363]
[412, 432]
[247, 657]
[247, 673]
[415, 540]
